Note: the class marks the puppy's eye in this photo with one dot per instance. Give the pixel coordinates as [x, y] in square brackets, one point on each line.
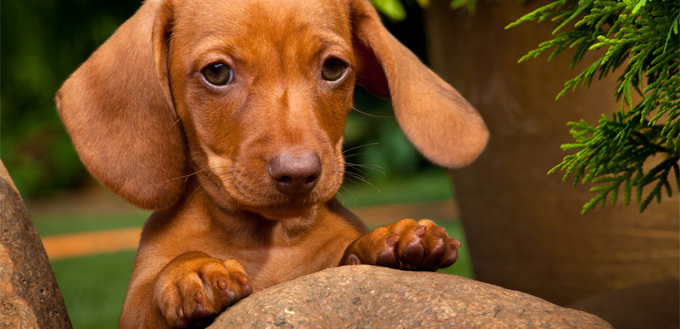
[217, 74]
[333, 69]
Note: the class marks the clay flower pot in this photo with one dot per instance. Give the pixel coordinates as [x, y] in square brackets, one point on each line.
[524, 227]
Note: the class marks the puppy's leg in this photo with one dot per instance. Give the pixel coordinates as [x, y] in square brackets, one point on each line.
[194, 288]
[407, 245]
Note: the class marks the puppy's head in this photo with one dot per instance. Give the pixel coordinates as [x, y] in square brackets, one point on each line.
[250, 97]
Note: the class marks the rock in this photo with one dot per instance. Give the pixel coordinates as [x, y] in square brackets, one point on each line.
[377, 297]
[29, 295]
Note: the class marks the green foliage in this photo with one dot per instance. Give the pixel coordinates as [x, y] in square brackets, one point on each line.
[471, 5]
[394, 9]
[642, 36]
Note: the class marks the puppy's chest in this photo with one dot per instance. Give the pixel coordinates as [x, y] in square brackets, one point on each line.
[271, 266]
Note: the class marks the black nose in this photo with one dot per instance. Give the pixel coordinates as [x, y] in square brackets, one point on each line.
[295, 174]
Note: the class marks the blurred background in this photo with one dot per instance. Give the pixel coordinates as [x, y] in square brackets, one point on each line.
[523, 228]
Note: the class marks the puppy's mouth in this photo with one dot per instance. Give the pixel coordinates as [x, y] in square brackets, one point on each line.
[271, 203]
[286, 186]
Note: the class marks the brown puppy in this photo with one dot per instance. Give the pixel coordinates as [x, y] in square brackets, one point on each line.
[227, 117]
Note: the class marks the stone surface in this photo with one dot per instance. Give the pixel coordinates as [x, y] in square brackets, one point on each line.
[29, 295]
[377, 297]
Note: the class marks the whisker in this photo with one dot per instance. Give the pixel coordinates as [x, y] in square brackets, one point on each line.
[224, 156]
[361, 178]
[227, 172]
[354, 166]
[353, 155]
[176, 122]
[361, 186]
[371, 115]
[349, 174]
[365, 166]
[187, 176]
[220, 167]
[349, 179]
[352, 174]
[350, 193]
[359, 170]
[342, 201]
[200, 171]
[360, 146]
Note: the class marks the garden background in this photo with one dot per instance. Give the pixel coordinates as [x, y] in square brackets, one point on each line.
[525, 226]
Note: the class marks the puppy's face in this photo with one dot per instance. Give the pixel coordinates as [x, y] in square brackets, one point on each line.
[262, 89]
[252, 81]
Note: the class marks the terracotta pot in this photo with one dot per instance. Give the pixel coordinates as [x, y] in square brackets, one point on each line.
[524, 227]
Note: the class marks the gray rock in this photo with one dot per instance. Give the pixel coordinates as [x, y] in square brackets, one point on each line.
[377, 297]
[29, 295]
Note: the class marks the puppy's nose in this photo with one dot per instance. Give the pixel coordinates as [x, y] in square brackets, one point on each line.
[295, 174]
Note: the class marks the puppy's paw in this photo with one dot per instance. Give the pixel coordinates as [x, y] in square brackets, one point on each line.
[406, 244]
[194, 288]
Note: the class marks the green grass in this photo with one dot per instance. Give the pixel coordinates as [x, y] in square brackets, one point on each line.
[94, 287]
[76, 223]
[432, 185]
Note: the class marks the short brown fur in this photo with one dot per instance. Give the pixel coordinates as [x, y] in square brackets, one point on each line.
[217, 161]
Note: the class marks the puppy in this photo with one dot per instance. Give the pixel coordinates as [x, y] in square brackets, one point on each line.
[227, 118]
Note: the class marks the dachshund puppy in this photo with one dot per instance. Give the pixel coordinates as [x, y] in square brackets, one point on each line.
[227, 118]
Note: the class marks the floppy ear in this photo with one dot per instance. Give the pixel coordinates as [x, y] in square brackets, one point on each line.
[118, 110]
[439, 122]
